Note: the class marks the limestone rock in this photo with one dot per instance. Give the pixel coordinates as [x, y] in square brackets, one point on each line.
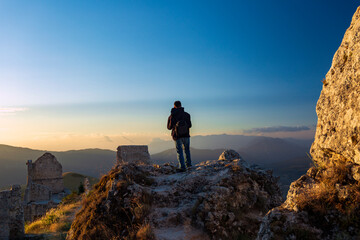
[325, 202]
[229, 155]
[338, 107]
[215, 200]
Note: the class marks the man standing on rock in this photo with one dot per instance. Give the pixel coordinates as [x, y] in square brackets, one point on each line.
[179, 123]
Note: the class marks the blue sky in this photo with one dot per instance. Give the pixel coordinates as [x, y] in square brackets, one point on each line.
[100, 68]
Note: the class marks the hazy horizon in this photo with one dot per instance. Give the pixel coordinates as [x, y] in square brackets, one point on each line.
[112, 142]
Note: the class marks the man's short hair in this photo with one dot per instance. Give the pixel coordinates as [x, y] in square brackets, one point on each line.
[177, 104]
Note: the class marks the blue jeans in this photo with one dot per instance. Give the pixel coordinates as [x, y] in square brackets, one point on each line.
[180, 144]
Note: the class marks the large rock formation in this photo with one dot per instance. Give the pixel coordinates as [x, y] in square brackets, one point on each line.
[223, 199]
[338, 107]
[325, 202]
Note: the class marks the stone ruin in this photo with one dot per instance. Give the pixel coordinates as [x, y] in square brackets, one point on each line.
[45, 186]
[11, 214]
[138, 154]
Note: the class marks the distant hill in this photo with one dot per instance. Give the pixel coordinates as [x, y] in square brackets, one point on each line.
[267, 151]
[197, 155]
[205, 142]
[223, 141]
[286, 157]
[90, 162]
[72, 180]
[263, 151]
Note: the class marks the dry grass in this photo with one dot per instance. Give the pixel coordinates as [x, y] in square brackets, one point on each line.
[335, 193]
[145, 233]
[56, 220]
[333, 178]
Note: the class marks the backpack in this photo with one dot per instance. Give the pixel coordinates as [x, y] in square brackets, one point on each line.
[181, 128]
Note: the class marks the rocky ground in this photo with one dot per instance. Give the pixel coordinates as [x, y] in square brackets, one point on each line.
[323, 204]
[224, 199]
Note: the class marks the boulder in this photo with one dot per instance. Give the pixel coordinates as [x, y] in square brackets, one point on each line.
[229, 155]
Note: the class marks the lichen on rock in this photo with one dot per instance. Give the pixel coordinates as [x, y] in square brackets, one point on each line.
[215, 200]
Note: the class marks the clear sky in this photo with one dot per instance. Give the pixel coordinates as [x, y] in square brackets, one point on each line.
[78, 74]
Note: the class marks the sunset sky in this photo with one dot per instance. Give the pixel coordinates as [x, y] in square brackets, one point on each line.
[85, 74]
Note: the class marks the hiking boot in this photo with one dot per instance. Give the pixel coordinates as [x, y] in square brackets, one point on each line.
[181, 170]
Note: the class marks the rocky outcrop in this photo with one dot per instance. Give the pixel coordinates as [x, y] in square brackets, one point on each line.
[325, 202]
[223, 199]
[338, 107]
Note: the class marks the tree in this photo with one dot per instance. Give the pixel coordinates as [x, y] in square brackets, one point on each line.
[81, 188]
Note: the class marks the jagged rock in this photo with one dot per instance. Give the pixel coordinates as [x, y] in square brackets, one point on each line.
[215, 200]
[356, 172]
[325, 202]
[338, 107]
[229, 155]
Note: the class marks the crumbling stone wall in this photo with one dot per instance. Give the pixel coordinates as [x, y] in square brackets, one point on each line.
[47, 171]
[37, 192]
[138, 154]
[11, 214]
[33, 211]
[45, 186]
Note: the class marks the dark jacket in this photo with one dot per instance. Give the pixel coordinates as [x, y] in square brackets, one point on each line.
[176, 115]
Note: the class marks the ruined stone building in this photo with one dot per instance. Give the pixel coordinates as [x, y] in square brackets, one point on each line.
[138, 154]
[11, 214]
[45, 186]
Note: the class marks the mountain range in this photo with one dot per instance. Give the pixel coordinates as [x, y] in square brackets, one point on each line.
[286, 157]
[91, 162]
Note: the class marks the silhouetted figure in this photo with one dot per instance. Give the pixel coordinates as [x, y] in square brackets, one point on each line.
[179, 123]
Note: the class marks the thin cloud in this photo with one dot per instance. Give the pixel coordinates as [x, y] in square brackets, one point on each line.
[128, 139]
[277, 129]
[108, 139]
[11, 110]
